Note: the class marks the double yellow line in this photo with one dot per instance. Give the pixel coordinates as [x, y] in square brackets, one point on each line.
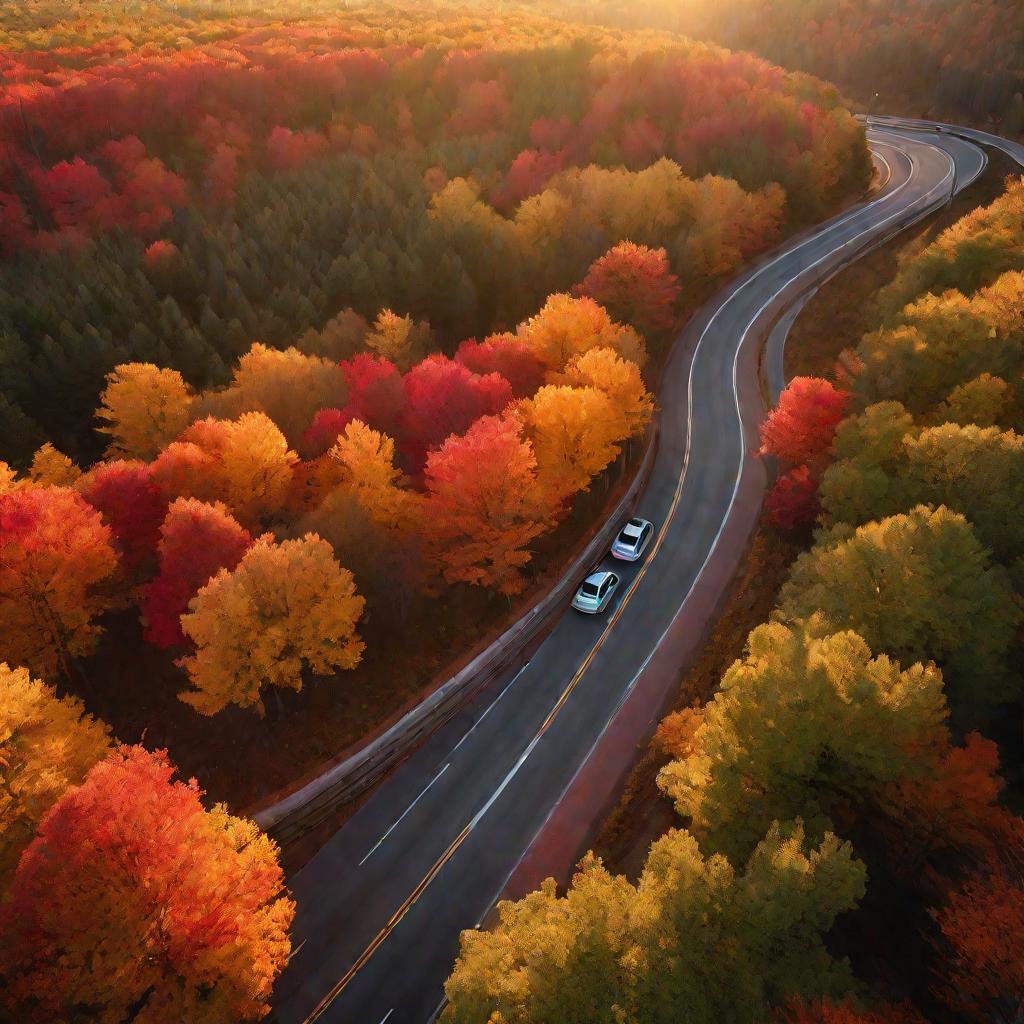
[411, 899]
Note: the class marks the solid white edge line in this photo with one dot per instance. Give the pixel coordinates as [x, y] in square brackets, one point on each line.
[475, 820]
[755, 275]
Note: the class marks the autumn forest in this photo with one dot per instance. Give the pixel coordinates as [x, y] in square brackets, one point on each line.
[330, 335]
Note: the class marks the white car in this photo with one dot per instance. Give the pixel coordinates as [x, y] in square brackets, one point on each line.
[632, 540]
[595, 592]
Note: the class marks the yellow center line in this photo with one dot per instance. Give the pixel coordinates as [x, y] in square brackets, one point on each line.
[410, 901]
[324, 1003]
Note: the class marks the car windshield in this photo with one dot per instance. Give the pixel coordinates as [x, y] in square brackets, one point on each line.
[589, 590]
[627, 538]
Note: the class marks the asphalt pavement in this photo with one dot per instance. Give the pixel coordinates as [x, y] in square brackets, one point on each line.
[381, 905]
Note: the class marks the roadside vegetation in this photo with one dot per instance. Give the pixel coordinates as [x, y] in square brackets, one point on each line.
[866, 747]
[322, 333]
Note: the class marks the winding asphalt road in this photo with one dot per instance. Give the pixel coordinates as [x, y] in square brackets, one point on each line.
[380, 907]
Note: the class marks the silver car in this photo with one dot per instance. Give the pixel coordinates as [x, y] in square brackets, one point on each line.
[595, 592]
[632, 540]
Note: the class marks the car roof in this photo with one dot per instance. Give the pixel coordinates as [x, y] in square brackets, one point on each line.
[632, 530]
[597, 578]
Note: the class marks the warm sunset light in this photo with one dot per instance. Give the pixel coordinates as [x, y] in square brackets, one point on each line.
[510, 513]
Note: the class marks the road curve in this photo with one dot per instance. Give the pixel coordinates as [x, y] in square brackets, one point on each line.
[1014, 150]
[380, 907]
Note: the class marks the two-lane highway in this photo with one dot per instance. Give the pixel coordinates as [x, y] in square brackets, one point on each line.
[380, 907]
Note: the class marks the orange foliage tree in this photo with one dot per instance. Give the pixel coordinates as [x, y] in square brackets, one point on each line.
[636, 285]
[826, 1011]
[285, 606]
[575, 434]
[137, 903]
[981, 977]
[950, 808]
[484, 505]
[55, 557]
[567, 327]
[246, 463]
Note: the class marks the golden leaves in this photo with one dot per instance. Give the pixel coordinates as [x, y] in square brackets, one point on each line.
[285, 607]
[144, 409]
[47, 743]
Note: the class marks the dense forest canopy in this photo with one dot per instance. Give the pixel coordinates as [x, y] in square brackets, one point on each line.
[178, 182]
[317, 326]
[940, 58]
[359, 302]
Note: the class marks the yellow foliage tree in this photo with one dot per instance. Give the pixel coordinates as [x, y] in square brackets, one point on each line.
[808, 723]
[255, 468]
[289, 386]
[52, 468]
[619, 379]
[566, 327]
[285, 607]
[575, 434]
[144, 409]
[367, 458]
[47, 743]
[8, 478]
[399, 339]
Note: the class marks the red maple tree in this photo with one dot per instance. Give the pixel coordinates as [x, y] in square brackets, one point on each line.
[506, 355]
[196, 541]
[800, 429]
[636, 285]
[131, 504]
[792, 499]
[443, 398]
